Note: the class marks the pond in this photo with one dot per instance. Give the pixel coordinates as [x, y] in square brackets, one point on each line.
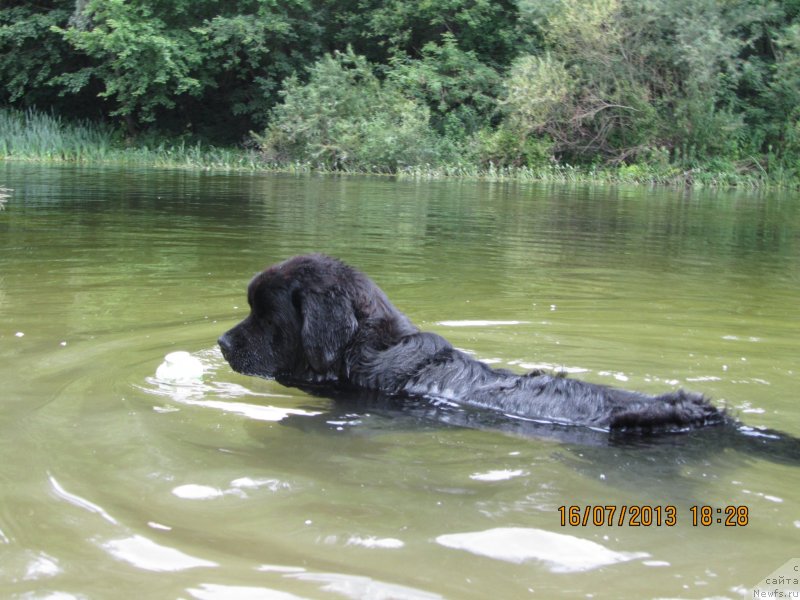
[115, 483]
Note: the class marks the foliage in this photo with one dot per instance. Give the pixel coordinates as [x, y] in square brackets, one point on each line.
[675, 88]
[142, 63]
[31, 54]
[345, 118]
[458, 88]
[180, 65]
[536, 90]
[247, 53]
[380, 29]
[505, 146]
[777, 110]
[625, 76]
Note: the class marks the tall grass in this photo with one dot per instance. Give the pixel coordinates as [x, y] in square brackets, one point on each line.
[37, 136]
[34, 135]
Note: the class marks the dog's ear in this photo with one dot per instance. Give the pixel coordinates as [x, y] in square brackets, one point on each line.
[328, 325]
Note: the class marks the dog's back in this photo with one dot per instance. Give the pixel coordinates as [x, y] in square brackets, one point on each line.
[425, 364]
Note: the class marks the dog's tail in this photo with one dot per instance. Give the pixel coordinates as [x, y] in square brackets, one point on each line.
[675, 411]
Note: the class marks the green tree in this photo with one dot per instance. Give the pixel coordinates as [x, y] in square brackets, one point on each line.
[213, 65]
[248, 50]
[458, 88]
[141, 62]
[380, 29]
[31, 54]
[769, 92]
[784, 96]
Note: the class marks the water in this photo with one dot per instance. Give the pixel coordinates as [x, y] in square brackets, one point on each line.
[116, 484]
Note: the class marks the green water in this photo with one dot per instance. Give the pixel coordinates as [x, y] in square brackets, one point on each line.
[115, 484]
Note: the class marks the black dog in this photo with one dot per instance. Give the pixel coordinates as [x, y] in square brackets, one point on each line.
[317, 323]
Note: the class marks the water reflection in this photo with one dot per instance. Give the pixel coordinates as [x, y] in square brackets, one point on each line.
[560, 553]
[216, 591]
[181, 380]
[76, 500]
[146, 554]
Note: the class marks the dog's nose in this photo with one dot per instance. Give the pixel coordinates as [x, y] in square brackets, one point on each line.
[224, 345]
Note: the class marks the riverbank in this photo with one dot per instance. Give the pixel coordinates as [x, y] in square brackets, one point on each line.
[41, 137]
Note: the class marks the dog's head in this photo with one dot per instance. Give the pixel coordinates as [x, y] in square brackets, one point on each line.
[304, 313]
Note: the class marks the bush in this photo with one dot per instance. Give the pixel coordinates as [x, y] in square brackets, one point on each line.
[344, 118]
[505, 147]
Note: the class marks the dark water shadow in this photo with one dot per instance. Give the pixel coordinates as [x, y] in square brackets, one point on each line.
[732, 443]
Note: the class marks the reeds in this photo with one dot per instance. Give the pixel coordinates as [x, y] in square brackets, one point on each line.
[37, 136]
[42, 136]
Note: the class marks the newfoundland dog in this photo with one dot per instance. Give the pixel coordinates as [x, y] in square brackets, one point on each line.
[317, 323]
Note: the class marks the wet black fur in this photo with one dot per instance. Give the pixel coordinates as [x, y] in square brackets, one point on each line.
[315, 321]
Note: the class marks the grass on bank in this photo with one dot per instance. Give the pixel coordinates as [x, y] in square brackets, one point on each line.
[36, 136]
[41, 137]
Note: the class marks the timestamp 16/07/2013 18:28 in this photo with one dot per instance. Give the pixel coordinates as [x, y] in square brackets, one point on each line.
[646, 515]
